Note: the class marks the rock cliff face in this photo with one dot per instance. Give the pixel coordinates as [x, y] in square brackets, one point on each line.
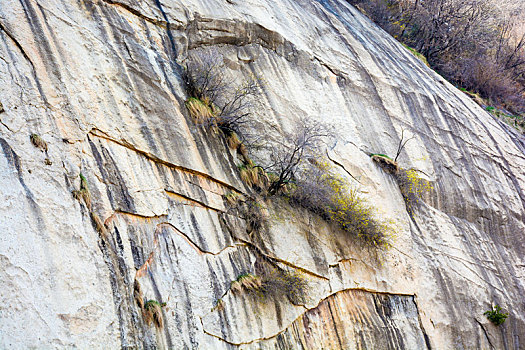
[100, 82]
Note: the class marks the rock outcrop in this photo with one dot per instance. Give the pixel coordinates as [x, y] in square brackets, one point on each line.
[99, 81]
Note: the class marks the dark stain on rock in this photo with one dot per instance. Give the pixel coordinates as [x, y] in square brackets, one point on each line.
[115, 183]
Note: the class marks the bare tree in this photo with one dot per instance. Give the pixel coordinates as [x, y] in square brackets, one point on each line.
[230, 102]
[288, 155]
[402, 144]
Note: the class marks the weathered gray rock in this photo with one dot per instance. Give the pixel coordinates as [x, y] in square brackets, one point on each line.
[100, 82]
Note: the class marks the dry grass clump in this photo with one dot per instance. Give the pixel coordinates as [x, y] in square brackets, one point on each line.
[83, 194]
[323, 192]
[232, 198]
[153, 313]
[38, 142]
[99, 225]
[253, 215]
[279, 283]
[386, 163]
[203, 111]
[246, 282]
[233, 140]
[273, 284]
[138, 295]
[253, 175]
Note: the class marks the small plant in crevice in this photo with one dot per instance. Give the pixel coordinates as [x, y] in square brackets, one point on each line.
[38, 142]
[219, 305]
[201, 110]
[386, 163]
[496, 316]
[153, 313]
[253, 214]
[83, 193]
[138, 295]
[233, 141]
[232, 198]
[279, 283]
[411, 185]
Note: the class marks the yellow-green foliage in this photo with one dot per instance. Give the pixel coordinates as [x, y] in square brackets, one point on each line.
[331, 196]
[201, 110]
[417, 54]
[354, 214]
[412, 186]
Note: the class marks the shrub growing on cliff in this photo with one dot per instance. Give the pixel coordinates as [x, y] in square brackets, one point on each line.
[323, 192]
[496, 316]
[412, 186]
[215, 98]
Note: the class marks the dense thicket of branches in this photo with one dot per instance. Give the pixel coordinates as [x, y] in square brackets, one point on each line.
[475, 44]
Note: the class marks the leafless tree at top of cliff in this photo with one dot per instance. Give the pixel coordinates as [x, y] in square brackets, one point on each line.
[288, 155]
[232, 102]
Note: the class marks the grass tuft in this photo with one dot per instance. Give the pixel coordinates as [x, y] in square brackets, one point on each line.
[202, 111]
[274, 284]
[418, 55]
[138, 295]
[232, 198]
[99, 225]
[83, 194]
[153, 313]
[253, 175]
[219, 305]
[246, 282]
[233, 140]
[38, 142]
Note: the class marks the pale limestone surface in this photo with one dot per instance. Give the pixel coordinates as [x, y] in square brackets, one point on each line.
[100, 82]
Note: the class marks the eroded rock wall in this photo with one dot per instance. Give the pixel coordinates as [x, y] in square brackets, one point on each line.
[100, 82]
